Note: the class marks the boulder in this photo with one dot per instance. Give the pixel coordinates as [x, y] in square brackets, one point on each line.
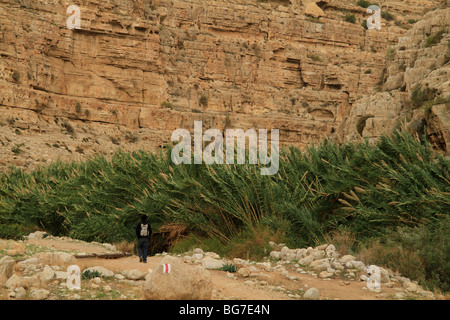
[134, 274]
[174, 280]
[211, 263]
[6, 268]
[102, 270]
[275, 254]
[14, 282]
[312, 294]
[346, 258]
[47, 274]
[244, 272]
[306, 261]
[312, 9]
[56, 258]
[37, 235]
[320, 265]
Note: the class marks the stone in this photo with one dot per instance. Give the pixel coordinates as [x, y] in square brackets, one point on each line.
[275, 254]
[37, 235]
[47, 275]
[56, 258]
[243, 272]
[301, 253]
[118, 276]
[96, 280]
[359, 265]
[320, 265]
[347, 258]
[306, 261]
[183, 282]
[6, 268]
[312, 9]
[61, 275]
[212, 255]
[412, 287]
[20, 293]
[39, 294]
[104, 272]
[312, 294]
[31, 281]
[211, 263]
[134, 274]
[14, 282]
[197, 256]
[326, 274]
[198, 251]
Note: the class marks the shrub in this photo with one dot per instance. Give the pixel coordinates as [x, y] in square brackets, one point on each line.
[13, 231]
[387, 16]
[203, 100]
[167, 104]
[69, 129]
[16, 76]
[17, 148]
[390, 53]
[350, 18]
[363, 3]
[229, 268]
[434, 39]
[420, 96]
[88, 274]
[78, 107]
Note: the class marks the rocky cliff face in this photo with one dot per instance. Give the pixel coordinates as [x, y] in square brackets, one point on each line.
[137, 70]
[414, 91]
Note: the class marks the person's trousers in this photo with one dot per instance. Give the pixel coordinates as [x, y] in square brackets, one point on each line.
[143, 248]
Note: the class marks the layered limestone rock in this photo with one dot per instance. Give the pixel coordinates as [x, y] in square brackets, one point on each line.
[415, 88]
[137, 70]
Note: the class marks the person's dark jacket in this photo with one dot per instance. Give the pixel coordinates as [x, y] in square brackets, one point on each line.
[139, 228]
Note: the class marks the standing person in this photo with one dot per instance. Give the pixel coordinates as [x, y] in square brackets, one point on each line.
[143, 233]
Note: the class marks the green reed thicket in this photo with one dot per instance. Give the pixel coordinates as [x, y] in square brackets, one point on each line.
[366, 189]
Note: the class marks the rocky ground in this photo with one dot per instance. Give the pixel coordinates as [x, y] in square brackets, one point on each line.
[36, 268]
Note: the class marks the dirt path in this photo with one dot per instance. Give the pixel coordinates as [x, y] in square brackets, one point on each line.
[277, 286]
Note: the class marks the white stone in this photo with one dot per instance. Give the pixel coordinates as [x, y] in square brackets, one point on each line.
[211, 263]
[312, 294]
[102, 270]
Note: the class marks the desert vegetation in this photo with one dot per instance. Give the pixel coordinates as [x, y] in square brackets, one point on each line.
[393, 195]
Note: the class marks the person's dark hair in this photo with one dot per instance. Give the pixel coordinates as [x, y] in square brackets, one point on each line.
[144, 218]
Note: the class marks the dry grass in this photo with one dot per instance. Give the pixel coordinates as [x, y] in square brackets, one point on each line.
[173, 233]
[398, 259]
[125, 246]
[344, 241]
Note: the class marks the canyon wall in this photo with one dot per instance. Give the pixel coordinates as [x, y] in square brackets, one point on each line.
[137, 70]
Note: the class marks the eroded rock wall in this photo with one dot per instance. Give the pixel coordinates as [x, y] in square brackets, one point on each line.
[137, 70]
